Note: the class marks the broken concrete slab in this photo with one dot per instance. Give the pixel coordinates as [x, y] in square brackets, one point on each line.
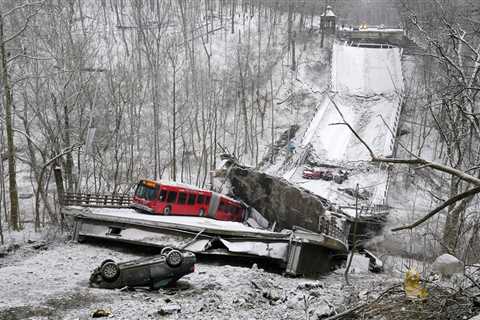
[277, 199]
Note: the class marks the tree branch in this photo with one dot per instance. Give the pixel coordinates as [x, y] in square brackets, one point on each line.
[27, 21]
[63, 152]
[437, 166]
[28, 4]
[372, 155]
[450, 201]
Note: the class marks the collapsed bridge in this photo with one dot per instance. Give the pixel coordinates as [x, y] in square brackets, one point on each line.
[366, 90]
[313, 237]
[299, 249]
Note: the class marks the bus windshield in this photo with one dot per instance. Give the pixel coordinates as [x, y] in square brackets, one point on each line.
[145, 192]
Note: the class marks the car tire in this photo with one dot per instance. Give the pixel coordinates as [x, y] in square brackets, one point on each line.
[174, 258]
[201, 213]
[105, 261]
[167, 210]
[165, 251]
[110, 271]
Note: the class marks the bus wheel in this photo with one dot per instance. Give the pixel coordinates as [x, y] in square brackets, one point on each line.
[201, 213]
[167, 210]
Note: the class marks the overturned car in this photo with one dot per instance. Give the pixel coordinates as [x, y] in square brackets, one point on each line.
[154, 272]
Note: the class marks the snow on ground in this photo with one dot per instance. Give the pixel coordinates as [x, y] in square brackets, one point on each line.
[53, 284]
[370, 179]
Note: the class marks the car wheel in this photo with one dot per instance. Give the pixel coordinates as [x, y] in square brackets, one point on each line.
[105, 261]
[165, 251]
[174, 258]
[110, 271]
[167, 210]
[201, 213]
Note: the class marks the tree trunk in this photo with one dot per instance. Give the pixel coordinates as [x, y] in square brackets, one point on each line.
[174, 124]
[7, 102]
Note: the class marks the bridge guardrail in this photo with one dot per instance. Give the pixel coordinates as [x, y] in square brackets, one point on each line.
[97, 200]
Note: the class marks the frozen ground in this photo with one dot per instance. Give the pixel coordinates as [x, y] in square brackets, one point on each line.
[53, 284]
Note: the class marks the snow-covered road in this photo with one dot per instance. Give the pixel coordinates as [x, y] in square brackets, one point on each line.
[333, 141]
[366, 86]
[366, 71]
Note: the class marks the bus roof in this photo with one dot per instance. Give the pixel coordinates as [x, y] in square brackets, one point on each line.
[180, 185]
[186, 186]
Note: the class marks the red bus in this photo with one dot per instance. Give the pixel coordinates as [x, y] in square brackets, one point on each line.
[172, 198]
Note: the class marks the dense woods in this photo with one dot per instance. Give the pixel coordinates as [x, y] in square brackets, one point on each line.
[111, 91]
[116, 90]
[442, 110]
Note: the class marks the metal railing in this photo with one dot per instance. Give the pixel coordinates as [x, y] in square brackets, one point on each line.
[329, 227]
[97, 200]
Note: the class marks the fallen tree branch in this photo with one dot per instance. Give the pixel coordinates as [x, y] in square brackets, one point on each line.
[423, 163]
[450, 201]
[363, 305]
[437, 166]
[372, 155]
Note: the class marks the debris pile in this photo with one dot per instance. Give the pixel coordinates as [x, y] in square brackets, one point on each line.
[328, 175]
[441, 304]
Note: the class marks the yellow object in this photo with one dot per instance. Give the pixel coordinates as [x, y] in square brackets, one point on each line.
[412, 286]
[149, 183]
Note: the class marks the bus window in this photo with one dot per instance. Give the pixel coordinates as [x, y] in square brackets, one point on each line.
[145, 192]
[172, 196]
[163, 195]
[182, 198]
[200, 199]
[207, 200]
[191, 199]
